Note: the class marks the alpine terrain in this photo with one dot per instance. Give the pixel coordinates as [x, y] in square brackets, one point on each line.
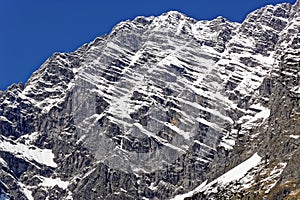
[163, 107]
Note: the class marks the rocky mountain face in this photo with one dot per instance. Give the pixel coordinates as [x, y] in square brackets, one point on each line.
[162, 107]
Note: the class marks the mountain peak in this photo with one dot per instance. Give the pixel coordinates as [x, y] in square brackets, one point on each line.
[296, 6]
[175, 16]
[174, 13]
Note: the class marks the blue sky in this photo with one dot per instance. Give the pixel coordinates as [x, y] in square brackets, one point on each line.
[32, 30]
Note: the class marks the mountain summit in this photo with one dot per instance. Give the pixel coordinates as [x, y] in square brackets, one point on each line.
[162, 107]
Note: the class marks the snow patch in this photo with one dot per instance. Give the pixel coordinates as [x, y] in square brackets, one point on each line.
[249, 121]
[264, 114]
[177, 130]
[69, 197]
[3, 162]
[191, 193]
[152, 187]
[29, 137]
[274, 175]
[234, 174]
[227, 144]
[2, 118]
[26, 191]
[296, 137]
[43, 156]
[238, 172]
[50, 182]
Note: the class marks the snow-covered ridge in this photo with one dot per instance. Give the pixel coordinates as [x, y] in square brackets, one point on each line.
[234, 174]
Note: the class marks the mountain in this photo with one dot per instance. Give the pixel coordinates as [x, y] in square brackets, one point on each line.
[162, 107]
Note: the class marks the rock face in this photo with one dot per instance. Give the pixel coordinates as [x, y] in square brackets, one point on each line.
[161, 107]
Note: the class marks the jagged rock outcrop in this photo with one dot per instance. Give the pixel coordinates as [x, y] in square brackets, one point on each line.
[159, 107]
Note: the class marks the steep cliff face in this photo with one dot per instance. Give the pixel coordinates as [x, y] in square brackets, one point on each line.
[159, 107]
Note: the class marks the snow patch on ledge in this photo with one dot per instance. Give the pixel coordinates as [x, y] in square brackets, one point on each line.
[296, 89]
[264, 114]
[234, 174]
[227, 143]
[26, 191]
[274, 176]
[51, 182]
[296, 137]
[43, 156]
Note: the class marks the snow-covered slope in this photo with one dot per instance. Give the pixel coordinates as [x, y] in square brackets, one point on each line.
[232, 175]
[153, 109]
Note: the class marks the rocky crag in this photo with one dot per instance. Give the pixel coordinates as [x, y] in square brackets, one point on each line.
[162, 107]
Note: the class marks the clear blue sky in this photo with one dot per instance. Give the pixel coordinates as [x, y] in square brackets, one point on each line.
[32, 30]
